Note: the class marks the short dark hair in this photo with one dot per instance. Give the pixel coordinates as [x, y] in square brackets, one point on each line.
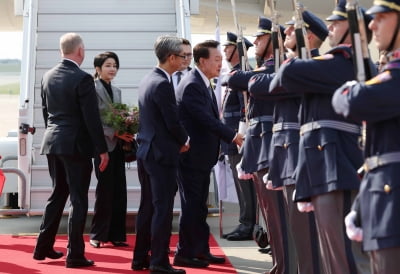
[186, 42]
[201, 49]
[99, 60]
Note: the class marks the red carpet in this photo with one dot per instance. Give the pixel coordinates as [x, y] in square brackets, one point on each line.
[16, 257]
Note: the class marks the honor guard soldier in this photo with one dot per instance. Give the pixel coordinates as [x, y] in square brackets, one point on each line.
[377, 102]
[233, 111]
[329, 155]
[285, 144]
[256, 152]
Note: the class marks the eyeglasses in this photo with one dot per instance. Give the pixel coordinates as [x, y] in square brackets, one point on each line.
[185, 57]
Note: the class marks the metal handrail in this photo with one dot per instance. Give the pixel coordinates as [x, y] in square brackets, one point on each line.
[7, 158]
[21, 187]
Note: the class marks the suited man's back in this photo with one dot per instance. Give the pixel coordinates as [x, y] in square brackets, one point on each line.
[66, 90]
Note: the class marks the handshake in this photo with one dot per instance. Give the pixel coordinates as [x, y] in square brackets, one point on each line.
[238, 140]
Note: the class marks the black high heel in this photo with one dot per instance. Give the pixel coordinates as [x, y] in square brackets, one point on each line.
[117, 243]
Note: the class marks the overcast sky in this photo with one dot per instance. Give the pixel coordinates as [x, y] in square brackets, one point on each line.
[10, 45]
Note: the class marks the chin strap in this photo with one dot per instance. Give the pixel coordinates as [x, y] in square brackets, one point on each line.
[395, 34]
[344, 37]
[233, 52]
[266, 48]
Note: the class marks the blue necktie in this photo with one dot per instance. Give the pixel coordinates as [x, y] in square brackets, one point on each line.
[178, 77]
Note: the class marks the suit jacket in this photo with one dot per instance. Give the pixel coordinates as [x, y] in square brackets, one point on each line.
[199, 114]
[70, 112]
[104, 102]
[160, 131]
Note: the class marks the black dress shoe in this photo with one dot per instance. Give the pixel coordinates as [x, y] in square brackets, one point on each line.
[189, 262]
[237, 229]
[117, 243]
[141, 264]
[239, 236]
[155, 269]
[211, 259]
[52, 254]
[266, 250]
[75, 263]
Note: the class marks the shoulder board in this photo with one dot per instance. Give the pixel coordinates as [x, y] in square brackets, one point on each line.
[323, 57]
[268, 63]
[345, 50]
[392, 65]
[380, 78]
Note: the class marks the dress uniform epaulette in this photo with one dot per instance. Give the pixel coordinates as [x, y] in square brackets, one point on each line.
[269, 63]
[345, 50]
[392, 65]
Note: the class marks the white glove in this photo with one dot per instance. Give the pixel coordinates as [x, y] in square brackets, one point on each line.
[268, 183]
[305, 206]
[265, 178]
[241, 174]
[353, 232]
[242, 128]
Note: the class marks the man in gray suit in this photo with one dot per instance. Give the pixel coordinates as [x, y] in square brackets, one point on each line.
[73, 133]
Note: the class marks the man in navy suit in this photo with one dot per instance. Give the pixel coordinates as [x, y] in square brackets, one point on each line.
[197, 108]
[161, 138]
[179, 74]
[73, 133]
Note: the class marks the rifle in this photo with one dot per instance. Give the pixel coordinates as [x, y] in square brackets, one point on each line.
[241, 46]
[243, 60]
[302, 44]
[361, 58]
[276, 35]
[358, 33]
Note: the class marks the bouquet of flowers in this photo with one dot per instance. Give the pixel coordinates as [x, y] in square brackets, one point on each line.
[122, 118]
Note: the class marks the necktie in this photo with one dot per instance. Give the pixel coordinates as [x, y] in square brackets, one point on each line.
[210, 91]
[178, 77]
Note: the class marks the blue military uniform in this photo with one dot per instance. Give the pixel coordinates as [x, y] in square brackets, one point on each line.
[256, 161]
[377, 102]
[329, 154]
[233, 105]
[284, 154]
[233, 111]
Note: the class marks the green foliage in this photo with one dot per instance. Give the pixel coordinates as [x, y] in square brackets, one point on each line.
[10, 88]
[122, 118]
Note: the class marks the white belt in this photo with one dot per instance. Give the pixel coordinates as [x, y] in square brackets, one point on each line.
[263, 118]
[381, 160]
[285, 126]
[343, 126]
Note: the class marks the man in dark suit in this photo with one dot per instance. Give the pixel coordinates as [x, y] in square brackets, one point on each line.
[197, 108]
[73, 133]
[179, 74]
[161, 138]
